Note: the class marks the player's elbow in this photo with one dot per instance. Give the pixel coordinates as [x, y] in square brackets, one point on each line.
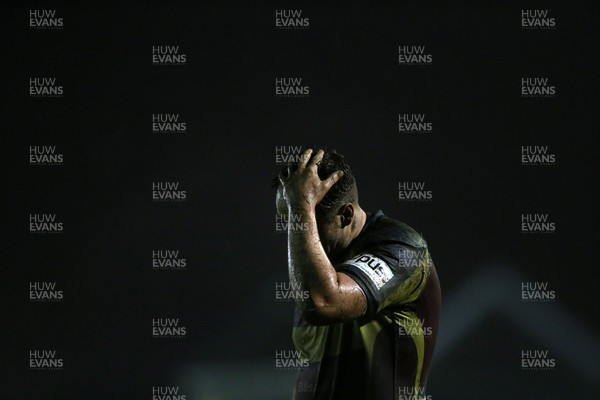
[339, 304]
[322, 311]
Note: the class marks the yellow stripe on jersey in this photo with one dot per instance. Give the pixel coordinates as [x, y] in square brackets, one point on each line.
[411, 325]
[369, 332]
[411, 288]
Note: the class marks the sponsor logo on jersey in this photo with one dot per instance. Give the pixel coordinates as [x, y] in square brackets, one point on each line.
[375, 268]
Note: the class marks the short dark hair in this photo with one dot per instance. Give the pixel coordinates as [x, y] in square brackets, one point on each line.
[343, 191]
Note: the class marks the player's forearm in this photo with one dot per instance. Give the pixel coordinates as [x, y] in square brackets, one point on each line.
[309, 266]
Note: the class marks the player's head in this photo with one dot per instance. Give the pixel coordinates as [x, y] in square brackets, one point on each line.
[335, 213]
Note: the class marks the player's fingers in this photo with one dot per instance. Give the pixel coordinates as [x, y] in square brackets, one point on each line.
[305, 157]
[314, 162]
[332, 179]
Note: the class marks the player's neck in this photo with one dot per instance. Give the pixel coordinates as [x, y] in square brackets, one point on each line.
[359, 222]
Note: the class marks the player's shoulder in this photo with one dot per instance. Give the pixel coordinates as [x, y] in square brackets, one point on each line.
[384, 229]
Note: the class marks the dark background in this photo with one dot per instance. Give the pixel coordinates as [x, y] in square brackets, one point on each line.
[225, 93]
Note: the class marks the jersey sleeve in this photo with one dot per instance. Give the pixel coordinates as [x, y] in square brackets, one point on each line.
[390, 275]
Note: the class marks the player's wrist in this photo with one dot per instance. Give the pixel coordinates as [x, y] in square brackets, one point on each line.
[301, 210]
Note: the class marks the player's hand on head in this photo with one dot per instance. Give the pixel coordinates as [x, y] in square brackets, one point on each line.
[303, 189]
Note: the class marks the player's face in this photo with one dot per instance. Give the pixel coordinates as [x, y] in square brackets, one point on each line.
[330, 232]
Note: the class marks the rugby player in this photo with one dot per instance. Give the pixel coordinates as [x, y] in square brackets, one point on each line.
[369, 323]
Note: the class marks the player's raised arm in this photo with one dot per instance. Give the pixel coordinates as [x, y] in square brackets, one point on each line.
[333, 297]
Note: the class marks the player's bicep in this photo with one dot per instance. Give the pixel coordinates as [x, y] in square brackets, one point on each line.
[352, 301]
[374, 275]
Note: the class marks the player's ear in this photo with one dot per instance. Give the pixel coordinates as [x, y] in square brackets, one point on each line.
[346, 214]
